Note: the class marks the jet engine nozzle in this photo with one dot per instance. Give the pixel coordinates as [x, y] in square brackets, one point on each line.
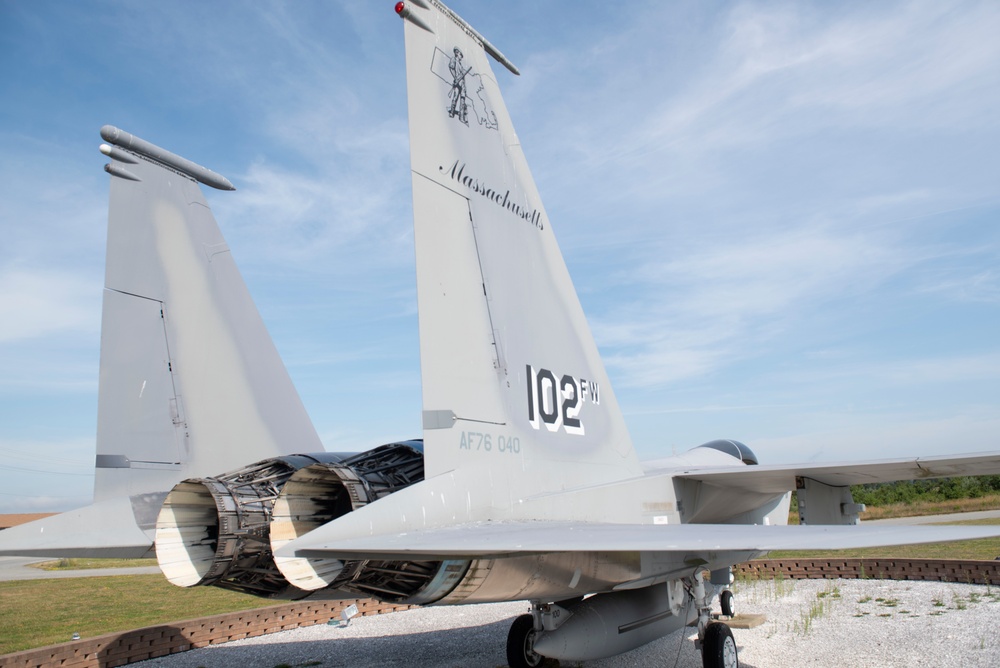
[312, 497]
[223, 530]
[321, 493]
[215, 530]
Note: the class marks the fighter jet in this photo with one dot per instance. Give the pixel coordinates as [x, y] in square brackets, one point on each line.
[522, 484]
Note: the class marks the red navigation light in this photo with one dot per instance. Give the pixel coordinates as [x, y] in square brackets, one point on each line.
[399, 7]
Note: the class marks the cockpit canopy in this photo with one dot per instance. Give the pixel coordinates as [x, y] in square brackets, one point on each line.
[734, 449]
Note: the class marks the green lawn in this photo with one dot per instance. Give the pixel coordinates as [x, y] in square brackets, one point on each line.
[35, 613]
[87, 564]
[984, 548]
[923, 507]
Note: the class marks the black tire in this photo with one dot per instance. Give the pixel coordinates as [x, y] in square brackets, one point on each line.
[520, 642]
[727, 603]
[718, 648]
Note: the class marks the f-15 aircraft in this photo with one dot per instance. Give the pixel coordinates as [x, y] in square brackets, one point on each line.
[523, 483]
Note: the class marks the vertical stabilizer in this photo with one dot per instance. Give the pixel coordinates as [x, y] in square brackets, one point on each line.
[512, 379]
[191, 383]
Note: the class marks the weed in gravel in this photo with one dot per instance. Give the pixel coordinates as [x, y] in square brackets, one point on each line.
[938, 603]
[830, 591]
[818, 608]
[763, 591]
[782, 587]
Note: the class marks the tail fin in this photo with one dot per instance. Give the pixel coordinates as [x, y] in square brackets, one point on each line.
[191, 384]
[511, 375]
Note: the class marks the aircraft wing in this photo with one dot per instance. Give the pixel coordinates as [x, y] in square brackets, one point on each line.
[105, 529]
[508, 538]
[778, 478]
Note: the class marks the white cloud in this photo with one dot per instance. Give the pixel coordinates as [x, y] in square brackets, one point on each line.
[45, 476]
[788, 69]
[35, 304]
[967, 284]
[885, 436]
[700, 311]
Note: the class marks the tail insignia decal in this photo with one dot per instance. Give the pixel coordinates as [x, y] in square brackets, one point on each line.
[465, 89]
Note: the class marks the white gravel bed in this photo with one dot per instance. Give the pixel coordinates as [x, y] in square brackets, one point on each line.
[857, 623]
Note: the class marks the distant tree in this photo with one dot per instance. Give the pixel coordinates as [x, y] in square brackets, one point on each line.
[939, 489]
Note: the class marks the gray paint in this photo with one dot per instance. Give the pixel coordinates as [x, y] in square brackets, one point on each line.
[167, 159]
[535, 492]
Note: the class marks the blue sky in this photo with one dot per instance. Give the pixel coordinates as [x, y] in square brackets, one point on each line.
[783, 218]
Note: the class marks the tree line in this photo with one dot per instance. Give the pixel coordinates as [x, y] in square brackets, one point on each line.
[939, 489]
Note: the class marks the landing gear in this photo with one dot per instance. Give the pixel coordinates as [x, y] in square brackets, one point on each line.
[718, 649]
[715, 639]
[520, 644]
[727, 604]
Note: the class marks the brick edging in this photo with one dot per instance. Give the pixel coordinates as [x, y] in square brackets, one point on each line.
[117, 649]
[124, 647]
[938, 570]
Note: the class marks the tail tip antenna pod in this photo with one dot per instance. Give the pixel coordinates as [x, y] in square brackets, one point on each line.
[406, 12]
[130, 142]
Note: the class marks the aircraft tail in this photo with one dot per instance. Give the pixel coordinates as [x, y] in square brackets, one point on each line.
[512, 379]
[190, 382]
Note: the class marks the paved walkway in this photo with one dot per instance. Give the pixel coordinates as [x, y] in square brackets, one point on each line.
[17, 568]
[940, 519]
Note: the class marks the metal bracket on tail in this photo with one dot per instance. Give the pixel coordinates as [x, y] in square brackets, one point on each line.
[408, 14]
[133, 144]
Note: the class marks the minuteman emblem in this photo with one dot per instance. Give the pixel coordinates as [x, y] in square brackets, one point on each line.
[465, 89]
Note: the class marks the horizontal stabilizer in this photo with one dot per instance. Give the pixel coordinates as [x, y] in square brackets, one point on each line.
[499, 539]
[104, 529]
[780, 478]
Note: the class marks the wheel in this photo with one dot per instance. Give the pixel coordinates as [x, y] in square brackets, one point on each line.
[727, 603]
[718, 648]
[520, 644]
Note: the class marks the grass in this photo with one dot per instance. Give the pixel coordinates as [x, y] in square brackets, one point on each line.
[981, 549]
[988, 502]
[917, 508]
[35, 613]
[87, 564]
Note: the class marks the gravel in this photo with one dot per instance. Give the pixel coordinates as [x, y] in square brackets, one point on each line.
[858, 623]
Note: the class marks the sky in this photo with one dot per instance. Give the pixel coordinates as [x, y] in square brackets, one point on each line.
[782, 218]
